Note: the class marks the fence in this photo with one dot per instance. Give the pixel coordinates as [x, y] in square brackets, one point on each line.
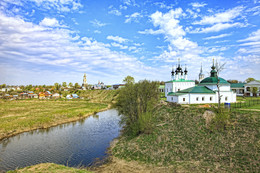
[243, 104]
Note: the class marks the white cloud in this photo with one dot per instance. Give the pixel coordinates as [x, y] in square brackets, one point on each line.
[58, 48]
[52, 22]
[115, 12]
[226, 16]
[133, 17]
[119, 45]
[61, 5]
[197, 4]
[216, 36]
[254, 36]
[97, 23]
[217, 27]
[117, 39]
[251, 44]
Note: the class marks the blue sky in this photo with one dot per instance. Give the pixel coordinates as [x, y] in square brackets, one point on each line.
[48, 41]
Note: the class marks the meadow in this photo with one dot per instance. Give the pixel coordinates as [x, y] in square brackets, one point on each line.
[18, 116]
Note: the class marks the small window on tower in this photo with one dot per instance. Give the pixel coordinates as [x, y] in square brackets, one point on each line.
[184, 99]
[197, 99]
[210, 98]
[172, 98]
[203, 98]
[226, 98]
[178, 89]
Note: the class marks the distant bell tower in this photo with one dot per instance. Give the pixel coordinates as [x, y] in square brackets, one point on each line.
[201, 75]
[85, 81]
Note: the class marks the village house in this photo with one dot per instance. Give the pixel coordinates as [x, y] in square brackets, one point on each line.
[41, 95]
[238, 88]
[249, 87]
[48, 94]
[56, 95]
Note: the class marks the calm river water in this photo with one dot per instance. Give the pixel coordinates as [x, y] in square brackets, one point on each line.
[72, 144]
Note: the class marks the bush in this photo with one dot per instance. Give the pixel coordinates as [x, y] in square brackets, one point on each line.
[136, 102]
[221, 120]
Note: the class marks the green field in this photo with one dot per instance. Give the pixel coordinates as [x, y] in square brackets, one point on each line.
[181, 141]
[24, 115]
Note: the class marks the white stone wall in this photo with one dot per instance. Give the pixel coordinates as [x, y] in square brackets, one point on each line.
[227, 97]
[176, 86]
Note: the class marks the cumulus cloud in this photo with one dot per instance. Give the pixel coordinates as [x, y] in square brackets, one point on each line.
[97, 23]
[115, 12]
[117, 39]
[222, 17]
[133, 17]
[52, 22]
[197, 4]
[37, 45]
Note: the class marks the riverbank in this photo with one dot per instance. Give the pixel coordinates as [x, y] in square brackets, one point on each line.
[20, 116]
[49, 167]
[181, 141]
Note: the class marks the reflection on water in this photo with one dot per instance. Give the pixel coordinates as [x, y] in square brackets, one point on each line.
[73, 144]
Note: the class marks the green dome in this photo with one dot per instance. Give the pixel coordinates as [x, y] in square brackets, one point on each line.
[213, 80]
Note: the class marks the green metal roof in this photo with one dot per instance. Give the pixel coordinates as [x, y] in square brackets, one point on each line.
[197, 89]
[213, 80]
[237, 85]
[180, 80]
[175, 94]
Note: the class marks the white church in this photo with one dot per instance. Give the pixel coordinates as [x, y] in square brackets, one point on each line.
[183, 91]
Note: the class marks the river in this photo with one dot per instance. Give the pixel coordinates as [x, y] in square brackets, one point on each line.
[74, 144]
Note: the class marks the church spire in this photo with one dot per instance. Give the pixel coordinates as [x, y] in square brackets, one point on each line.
[213, 72]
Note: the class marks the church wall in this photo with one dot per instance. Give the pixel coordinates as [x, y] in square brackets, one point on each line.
[202, 98]
[176, 86]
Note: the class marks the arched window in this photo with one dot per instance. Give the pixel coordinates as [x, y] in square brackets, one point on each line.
[247, 88]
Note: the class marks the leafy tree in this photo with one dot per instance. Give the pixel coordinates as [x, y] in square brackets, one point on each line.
[254, 90]
[129, 80]
[136, 102]
[70, 85]
[64, 84]
[3, 85]
[162, 83]
[56, 86]
[249, 79]
[76, 85]
[232, 81]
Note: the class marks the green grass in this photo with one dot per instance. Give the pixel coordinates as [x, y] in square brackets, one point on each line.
[49, 167]
[181, 139]
[104, 96]
[24, 115]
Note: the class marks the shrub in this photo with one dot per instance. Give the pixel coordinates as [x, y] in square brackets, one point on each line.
[221, 120]
[135, 102]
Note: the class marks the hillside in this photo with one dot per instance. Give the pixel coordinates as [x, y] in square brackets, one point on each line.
[181, 141]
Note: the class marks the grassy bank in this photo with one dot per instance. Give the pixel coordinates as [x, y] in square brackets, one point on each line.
[181, 141]
[25, 115]
[49, 167]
